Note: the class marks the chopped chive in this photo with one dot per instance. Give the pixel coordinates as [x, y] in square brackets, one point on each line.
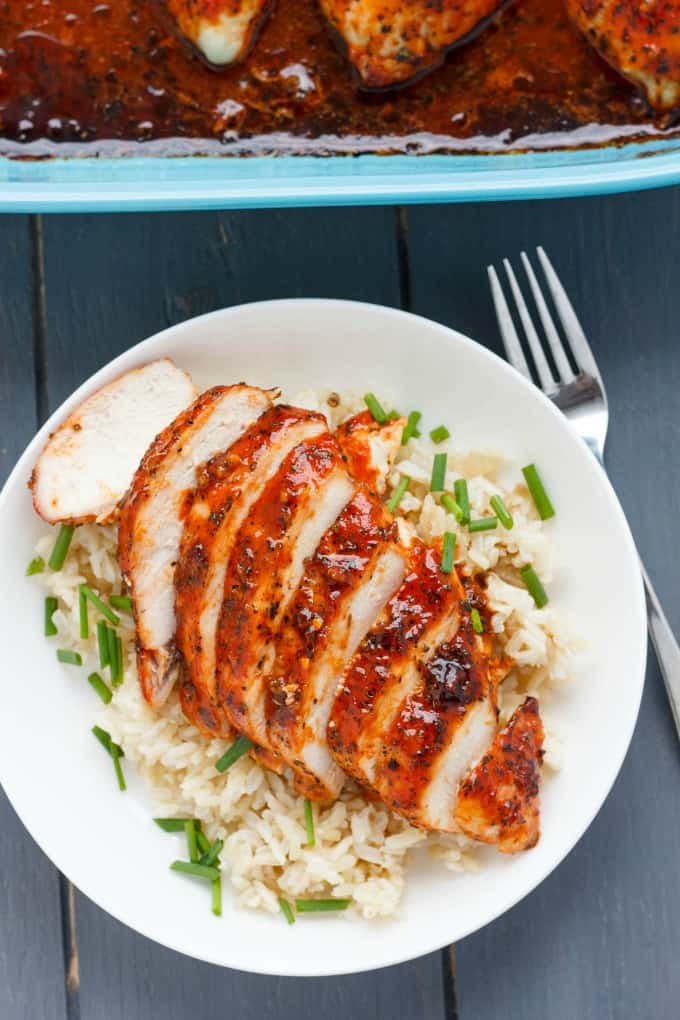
[82, 614]
[438, 472]
[393, 415]
[477, 622]
[217, 896]
[36, 566]
[117, 766]
[502, 512]
[417, 433]
[309, 823]
[115, 657]
[213, 852]
[411, 427]
[203, 843]
[460, 488]
[375, 407]
[171, 824]
[192, 842]
[122, 602]
[100, 688]
[70, 657]
[107, 743]
[319, 906]
[103, 643]
[199, 870]
[538, 493]
[105, 610]
[240, 747]
[534, 586]
[120, 661]
[439, 434]
[286, 910]
[61, 547]
[398, 494]
[448, 550]
[450, 505]
[483, 524]
[51, 604]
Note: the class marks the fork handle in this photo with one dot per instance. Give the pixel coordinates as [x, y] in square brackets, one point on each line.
[665, 646]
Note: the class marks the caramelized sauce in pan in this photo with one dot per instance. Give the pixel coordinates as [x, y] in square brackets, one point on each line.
[101, 74]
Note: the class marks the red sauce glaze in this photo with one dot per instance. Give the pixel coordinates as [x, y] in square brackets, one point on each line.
[87, 71]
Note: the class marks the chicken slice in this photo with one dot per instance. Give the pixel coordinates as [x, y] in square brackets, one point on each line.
[370, 448]
[222, 30]
[88, 463]
[267, 561]
[356, 568]
[390, 42]
[498, 802]
[228, 486]
[641, 40]
[152, 518]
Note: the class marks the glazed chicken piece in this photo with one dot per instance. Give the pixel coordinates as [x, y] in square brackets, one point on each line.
[221, 30]
[390, 42]
[640, 38]
[498, 801]
[152, 517]
[370, 448]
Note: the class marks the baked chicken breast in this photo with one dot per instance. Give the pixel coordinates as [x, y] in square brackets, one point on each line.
[221, 30]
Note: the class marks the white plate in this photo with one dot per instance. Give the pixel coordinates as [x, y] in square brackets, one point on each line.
[105, 842]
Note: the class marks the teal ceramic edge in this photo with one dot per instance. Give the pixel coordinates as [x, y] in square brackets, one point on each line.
[152, 183]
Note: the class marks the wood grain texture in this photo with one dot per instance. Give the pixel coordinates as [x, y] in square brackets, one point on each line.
[31, 958]
[124, 278]
[598, 939]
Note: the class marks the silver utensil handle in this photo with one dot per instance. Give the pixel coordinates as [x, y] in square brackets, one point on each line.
[665, 646]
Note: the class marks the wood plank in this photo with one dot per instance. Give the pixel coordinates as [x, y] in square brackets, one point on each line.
[31, 957]
[595, 940]
[126, 278]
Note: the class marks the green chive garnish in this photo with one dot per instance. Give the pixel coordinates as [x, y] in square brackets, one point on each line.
[438, 472]
[120, 662]
[393, 415]
[36, 566]
[115, 653]
[82, 614]
[122, 602]
[320, 906]
[483, 524]
[51, 604]
[476, 620]
[115, 752]
[439, 434]
[502, 512]
[103, 643]
[397, 496]
[448, 550]
[117, 766]
[411, 427]
[460, 488]
[217, 896]
[240, 747]
[451, 507]
[375, 407]
[203, 843]
[61, 547]
[309, 823]
[538, 493]
[199, 870]
[171, 824]
[100, 688]
[192, 843]
[70, 657]
[212, 853]
[286, 910]
[534, 586]
[105, 610]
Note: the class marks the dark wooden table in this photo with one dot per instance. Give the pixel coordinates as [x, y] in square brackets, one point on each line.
[601, 937]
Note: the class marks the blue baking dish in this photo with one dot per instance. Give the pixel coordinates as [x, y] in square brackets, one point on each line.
[134, 183]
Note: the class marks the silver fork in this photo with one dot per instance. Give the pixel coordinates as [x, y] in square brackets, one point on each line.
[581, 396]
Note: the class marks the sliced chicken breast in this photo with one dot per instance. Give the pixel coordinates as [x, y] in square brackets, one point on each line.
[370, 448]
[152, 519]
[267, 561]
[221, 30]
[88, 463]
[498, 802]
[356, 568]
[228, 487]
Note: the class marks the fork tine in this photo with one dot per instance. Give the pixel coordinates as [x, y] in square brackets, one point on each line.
[556, 346]
[544, 373]
[572, 327]
[513, 348]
